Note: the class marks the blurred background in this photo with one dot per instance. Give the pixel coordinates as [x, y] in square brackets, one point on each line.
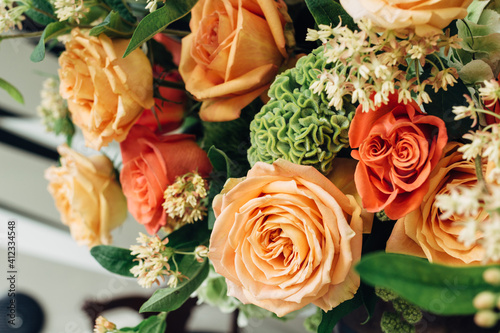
[59, 286]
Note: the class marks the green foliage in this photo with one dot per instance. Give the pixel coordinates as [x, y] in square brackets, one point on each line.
[189, 236]
[391, 323]
[329, 12]
[52, 30]
[161, 55]
[115, 259]
[332, 317]
[169, 299]
[12, 91]
[435, 288]
[113, 26]
[223, 168]
[43, 12]
[122, 8]
[159, 20]
[298, 125]
[153, 324]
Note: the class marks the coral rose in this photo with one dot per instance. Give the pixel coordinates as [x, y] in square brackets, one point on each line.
[233, 53]
[87, 196]
[424, 232]
[169, 109]
[422, 16]
[399, 146]
[285, 236]
[150, 164]
[106, 93]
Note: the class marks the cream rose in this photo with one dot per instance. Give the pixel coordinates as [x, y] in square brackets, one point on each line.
[87, 196]
[285, 236]
[423, 16]
[106, 93]
[424, 233]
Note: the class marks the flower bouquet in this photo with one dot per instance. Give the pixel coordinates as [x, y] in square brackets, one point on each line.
[282, 157]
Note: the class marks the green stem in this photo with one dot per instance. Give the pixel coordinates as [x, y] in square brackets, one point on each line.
[173, 32]
[491, 113]
[185, 253]
[44, 13]
[22, 35]
[170, 84]
[479, 168]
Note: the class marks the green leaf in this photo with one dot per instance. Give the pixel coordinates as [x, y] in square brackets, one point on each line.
[113, 26]
[122, 8]
[153, 324]
[443, 290]
[52, 30]
[45, 13]
[162, 56]
[157, 21]
[170, 299]
[189, 236]
[12, 91]
[332, 317]
[329, 12]
[115, 259]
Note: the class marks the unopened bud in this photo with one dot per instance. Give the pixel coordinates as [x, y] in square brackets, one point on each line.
[485, 318]
[492, 276]
[200, 253]
[484, 300]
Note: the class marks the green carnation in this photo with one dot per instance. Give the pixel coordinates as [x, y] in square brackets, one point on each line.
[298, 125]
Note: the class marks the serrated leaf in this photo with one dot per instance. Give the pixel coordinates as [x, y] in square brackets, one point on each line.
[329, 12]
[113, 26]
[332, 317]
[52, 30]
[115, 259]
[157, 21]
[122, 8]
[443, 290]
[170, 299]
[12, 91]
[43, 6]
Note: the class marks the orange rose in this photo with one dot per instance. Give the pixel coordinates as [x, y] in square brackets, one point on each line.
[87, 195]
[106, 93]
[285, 236]
[423, 16]
[233, 53]
[399, 146]
[423, 232]
[150, 164]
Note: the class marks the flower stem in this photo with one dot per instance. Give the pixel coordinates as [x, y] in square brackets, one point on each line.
[22, 35]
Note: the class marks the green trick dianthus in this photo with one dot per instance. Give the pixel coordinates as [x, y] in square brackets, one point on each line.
[298, 125]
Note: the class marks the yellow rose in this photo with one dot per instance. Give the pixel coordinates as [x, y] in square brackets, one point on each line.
[233, 53]
[285, 236]
[106, 93]
[423, 16]
[423, 232]
[87, 195]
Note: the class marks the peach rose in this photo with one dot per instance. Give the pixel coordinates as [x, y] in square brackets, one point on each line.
[106, 93]
[233, 53]
[399, 146]
[150, 164]
[423, 232]
[87, 195]
[285, 236]
[423, 16]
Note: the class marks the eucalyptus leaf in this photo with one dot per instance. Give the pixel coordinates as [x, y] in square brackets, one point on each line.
[115, 259]
[170, 299]
[44, 13]
[113, 26]
[476, 71]
[329, 12]
[475, 10]
[52, 30]
[157, 21]
[443, 290]
[12, 91]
